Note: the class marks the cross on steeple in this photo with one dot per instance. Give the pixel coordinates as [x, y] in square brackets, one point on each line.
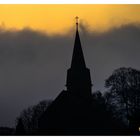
[77, 18]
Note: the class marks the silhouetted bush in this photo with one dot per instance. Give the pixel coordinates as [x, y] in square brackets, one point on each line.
[7, 131]
[31, 115]
[20, 130]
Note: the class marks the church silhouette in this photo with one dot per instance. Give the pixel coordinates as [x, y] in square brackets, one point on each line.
[74, 112]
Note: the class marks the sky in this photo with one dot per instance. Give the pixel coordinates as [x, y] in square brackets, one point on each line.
[36, 44]
[58, 19]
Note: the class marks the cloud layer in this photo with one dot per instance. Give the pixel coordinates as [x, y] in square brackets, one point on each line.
[33, 65]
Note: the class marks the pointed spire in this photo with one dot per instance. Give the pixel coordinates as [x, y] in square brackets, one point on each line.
[78, 57]
[78, 77]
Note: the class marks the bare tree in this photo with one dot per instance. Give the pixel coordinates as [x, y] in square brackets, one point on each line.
[31, 115]
[124, 91]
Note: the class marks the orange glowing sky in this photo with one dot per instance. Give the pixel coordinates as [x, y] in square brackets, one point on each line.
[60, 18]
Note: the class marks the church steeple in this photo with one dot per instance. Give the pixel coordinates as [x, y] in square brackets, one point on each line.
[78, 57]
[78, 76]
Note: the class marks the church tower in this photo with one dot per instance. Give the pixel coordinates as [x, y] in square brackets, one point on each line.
[74, 111]
[78, 76]
[71, 112]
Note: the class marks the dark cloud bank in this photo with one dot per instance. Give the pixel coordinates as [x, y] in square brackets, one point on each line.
[33, 65]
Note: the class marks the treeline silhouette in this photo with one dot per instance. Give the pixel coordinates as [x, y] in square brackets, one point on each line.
[114, 112]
